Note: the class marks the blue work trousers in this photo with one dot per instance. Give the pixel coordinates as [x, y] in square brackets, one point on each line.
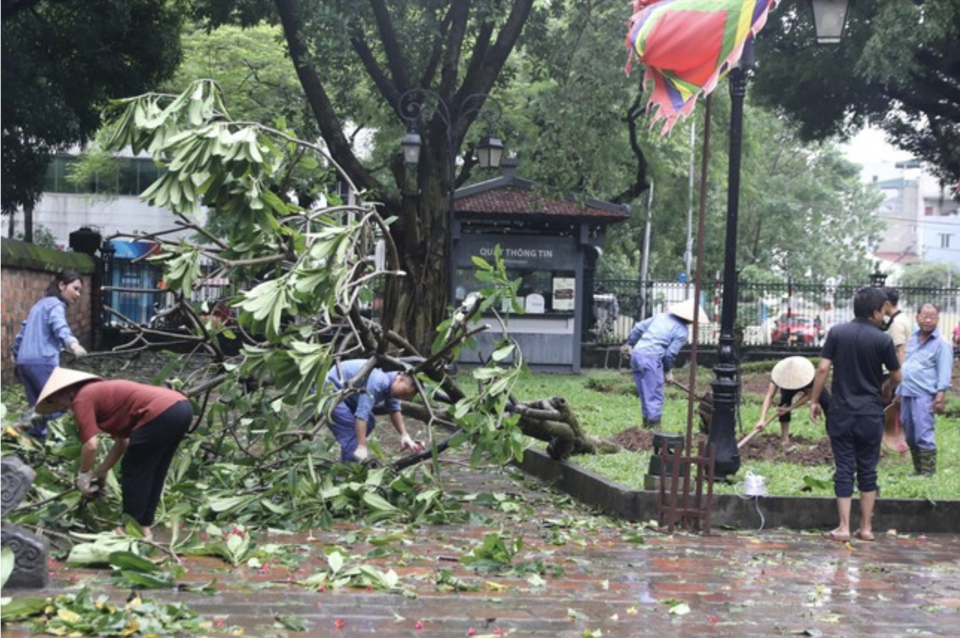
[34, 376]
[343, 424]
[648, 376]
[917, 418]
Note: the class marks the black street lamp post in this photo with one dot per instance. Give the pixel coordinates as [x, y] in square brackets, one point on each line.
[829, 17]
[413, 107]
[726, 385]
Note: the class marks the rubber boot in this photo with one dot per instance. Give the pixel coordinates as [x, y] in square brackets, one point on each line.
[928, 462]
[651, 424]
[915, 455]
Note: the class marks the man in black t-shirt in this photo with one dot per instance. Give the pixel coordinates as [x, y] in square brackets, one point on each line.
[857, 351]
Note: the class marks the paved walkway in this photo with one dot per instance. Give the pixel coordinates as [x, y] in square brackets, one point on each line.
[578, 575]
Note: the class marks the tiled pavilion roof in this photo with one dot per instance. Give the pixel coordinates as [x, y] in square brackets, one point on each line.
[510, 195]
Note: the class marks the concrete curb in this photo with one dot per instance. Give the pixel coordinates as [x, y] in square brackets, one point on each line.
[791, 512]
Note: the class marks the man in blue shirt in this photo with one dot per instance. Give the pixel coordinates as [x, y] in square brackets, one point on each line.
[926, 379]
[352, 419]
[857, 350]
[653, 345]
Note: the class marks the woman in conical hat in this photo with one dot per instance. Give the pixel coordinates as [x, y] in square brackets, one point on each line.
[792, 376]
[146, 423]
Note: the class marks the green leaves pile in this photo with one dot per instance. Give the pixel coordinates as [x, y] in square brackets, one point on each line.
[83, 614]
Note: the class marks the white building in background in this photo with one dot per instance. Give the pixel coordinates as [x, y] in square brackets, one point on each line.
[109, 209]
[923, 221]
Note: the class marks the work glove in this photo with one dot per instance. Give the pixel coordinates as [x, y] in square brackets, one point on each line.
[362, 455]
[75, 347]
[407, 443]
[89, 484]
[669, 376]
[626, 350]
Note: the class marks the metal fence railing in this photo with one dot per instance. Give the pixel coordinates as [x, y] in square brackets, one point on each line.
[787, 314]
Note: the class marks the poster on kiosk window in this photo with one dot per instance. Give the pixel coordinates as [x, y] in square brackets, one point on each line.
[564, 293]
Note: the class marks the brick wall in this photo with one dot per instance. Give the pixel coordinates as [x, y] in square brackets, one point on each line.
[26, 273]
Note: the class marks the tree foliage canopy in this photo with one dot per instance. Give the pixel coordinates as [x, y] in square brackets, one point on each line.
[930, 275]
[898, 68]
[62, 62]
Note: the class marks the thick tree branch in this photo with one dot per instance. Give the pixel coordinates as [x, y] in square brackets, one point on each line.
[391, 47]
[390, 90]
[486, 74]
[639, 185]
[459, 15]
[291, 17]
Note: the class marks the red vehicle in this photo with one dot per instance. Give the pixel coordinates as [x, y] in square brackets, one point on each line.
[797, 330]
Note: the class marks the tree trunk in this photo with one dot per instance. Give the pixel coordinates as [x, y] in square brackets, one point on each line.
[416, 306]
[551, 420]
[28, 223]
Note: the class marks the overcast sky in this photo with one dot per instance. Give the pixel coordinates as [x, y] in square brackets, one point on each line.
[869, 149]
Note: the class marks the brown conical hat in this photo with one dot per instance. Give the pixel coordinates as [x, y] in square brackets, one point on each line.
[793, 373]
[684, 310]
[60, 379]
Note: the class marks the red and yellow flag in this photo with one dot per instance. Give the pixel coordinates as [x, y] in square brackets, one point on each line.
[686, 46]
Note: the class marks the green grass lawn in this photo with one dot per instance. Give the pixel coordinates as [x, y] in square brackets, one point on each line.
[606, 403]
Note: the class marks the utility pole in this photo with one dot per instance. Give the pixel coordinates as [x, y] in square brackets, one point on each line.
[645, 258]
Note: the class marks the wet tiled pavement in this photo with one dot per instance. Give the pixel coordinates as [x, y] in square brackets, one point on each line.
[576, 575]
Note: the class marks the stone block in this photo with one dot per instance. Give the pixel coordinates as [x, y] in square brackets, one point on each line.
[29, 550]
[16, 477]
[31, 553]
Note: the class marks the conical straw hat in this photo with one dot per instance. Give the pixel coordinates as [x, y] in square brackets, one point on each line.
[793, 373]
[60, 379]
[684, 310]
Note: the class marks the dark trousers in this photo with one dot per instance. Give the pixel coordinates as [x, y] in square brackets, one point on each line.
[145, 464]
[34, 376]
[855, 440]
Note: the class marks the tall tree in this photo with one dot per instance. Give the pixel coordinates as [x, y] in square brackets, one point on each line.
[790, 189]
[346, 51]
[898, 68]
[576, 120]
[61, 63]
[930, 275]
[252, 68]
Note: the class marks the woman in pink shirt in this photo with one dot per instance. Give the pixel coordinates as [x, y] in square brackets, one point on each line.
[146, 423]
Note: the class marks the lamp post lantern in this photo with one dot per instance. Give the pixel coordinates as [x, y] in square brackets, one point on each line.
[411, 147]
[489, 152]
[829, 19]
[414, 106]
[878, 278]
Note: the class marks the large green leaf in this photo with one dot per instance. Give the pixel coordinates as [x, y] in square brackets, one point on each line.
[378, 503]
[99, 551]
[132, 562]
[148, 581]
[20, 608]
[8, 561]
